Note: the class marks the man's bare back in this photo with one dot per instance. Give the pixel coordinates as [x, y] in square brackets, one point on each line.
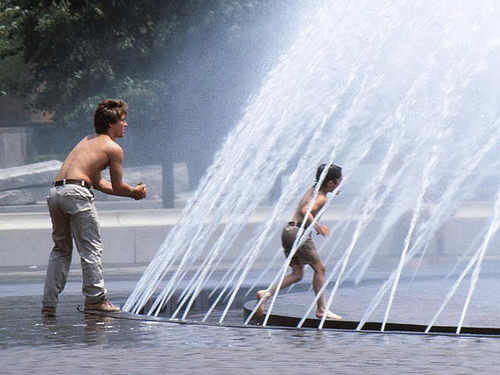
[87, 159]
[91, 156]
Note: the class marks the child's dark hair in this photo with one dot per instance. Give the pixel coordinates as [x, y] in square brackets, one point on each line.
[334, 172]
[108, 112]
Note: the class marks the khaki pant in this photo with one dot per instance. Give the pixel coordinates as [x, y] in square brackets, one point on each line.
[74, 216]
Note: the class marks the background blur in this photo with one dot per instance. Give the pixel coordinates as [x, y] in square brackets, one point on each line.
[185, 67]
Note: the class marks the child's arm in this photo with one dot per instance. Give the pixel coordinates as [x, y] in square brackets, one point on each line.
[319, 202]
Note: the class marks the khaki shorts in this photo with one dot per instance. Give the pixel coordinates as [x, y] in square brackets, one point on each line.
[305, 254]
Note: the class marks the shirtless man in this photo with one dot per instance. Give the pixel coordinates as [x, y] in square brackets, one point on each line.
[306, 253]
[72, 210]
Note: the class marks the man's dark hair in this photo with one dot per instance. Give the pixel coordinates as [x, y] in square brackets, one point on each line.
[334, 172]
[108, 112]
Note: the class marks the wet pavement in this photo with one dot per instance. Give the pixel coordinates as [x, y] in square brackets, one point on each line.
[78, 343]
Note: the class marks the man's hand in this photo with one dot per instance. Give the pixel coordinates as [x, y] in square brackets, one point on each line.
[322, 230]
[139, 191]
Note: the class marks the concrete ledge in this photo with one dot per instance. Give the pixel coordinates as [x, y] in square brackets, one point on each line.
[134, 236]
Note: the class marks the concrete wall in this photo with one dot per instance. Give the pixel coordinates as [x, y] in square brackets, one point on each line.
[14, 146]
[129, 236]
[134, 236]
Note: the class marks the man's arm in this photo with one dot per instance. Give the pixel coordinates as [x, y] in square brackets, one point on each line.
[103, 185]
[117, 186]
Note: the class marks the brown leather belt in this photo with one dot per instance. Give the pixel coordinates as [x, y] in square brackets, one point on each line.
[71, 181]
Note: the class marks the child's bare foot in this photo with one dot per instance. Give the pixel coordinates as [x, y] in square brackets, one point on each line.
[330, 315]
[262, 294]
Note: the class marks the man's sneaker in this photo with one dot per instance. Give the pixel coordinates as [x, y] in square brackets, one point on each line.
[49, 311]
[103, 305]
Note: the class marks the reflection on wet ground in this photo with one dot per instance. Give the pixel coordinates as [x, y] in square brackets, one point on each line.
[78, 343]
[74, 342]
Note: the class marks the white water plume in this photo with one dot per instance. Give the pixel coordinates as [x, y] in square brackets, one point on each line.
[404, 96]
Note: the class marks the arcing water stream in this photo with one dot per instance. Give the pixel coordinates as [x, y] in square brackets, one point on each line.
[404, 96]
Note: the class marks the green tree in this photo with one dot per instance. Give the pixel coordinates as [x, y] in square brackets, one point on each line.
[80, 52]
[13, 69]
[185, 67]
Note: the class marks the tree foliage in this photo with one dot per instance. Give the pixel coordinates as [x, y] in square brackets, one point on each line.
[182, 65]
[13, 70]
[79, 52]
